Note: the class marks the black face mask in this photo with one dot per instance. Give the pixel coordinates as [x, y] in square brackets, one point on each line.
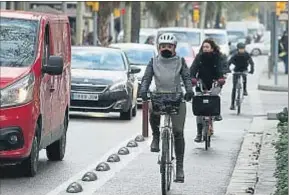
[166, 53]
[208, 54]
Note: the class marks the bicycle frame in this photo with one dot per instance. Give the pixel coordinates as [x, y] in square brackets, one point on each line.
[239, 88]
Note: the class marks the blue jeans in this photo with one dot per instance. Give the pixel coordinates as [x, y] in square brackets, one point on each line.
[285, 60]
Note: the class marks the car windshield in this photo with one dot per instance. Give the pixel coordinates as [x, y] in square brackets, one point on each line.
[139, 56]
[252, 31]
[184, 51]
[97, 60]
[193, 38]
[220, 39]
[18, 42]
[236, 33]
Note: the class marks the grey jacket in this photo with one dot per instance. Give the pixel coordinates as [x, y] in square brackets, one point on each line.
[168, 74]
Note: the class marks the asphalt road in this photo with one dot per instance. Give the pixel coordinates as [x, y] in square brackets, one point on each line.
[90, 138]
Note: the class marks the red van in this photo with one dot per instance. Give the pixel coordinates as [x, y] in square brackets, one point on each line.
[35, 72]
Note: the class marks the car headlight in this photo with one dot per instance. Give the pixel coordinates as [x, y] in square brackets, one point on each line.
[18, 93]
[118, 86]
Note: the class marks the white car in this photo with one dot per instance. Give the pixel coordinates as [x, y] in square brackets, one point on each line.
[144, 33]
[256, 49]
[220, 37]
[192, 36]
[138, 55]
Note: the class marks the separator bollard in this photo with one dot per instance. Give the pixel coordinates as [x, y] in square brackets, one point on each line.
[145, 118]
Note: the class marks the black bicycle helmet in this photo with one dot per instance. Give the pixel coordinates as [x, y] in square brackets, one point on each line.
[241, 46]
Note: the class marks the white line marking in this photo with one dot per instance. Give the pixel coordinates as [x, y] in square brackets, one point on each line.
[103, 177]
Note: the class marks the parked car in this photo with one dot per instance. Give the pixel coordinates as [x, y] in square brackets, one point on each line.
[185, 50]
[220, 37]
[192, 36]
[144, 34]
[34, 86]
[103, 81]
[138, 55]
[256, 49]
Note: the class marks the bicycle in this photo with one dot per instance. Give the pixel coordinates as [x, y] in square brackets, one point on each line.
[206, 105]
[239, 90]
[166, 104]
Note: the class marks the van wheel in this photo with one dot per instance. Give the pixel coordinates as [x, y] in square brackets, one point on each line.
[127, 115]
[56, 151]
[29, 165]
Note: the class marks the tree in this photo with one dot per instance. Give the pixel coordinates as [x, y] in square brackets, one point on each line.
[105, 10]
[163, 12]
[135, 21]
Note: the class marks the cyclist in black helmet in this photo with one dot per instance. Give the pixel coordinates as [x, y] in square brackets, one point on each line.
[241, 60]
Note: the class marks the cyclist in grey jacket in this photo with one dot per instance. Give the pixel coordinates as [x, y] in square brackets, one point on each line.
[168, 71]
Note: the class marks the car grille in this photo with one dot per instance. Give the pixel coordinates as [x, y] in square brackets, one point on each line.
[87, 103]
[89, 88]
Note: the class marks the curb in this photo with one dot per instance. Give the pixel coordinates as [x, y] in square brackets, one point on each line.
[272, 88]
[245, 173]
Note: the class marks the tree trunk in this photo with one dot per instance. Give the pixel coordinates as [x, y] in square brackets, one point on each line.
[135, 21]
[219, 15]
[127, 23]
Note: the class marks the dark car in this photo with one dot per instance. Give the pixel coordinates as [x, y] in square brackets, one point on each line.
[103, 81]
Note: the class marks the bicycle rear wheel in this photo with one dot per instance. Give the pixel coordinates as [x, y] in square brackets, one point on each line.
[165, 166]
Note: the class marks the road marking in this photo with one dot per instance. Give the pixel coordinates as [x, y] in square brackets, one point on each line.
[103, 177]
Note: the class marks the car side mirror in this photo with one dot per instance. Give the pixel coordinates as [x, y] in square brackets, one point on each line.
[229, 43]
[134, 70]
[54, 66]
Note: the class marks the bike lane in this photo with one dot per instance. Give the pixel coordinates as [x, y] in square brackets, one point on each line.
[206, 172]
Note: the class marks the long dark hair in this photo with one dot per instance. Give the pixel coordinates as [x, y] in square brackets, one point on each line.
[213, 44]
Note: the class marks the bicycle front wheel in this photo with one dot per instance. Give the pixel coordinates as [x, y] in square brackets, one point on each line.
[165, 166]
[238, 101]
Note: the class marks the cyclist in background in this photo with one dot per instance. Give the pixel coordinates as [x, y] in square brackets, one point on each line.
[208, 67]
[168, 70]
[241, 60]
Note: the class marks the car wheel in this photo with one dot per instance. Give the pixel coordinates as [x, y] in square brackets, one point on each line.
[29, 165]
[134, 111]
[56, 151]
[256, 52]
[127, 115]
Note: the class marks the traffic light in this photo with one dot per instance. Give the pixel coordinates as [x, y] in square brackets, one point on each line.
[94, 5]
[196, 15]
[280, 6]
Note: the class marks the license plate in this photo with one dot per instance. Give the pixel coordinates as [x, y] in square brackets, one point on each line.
[81, 96]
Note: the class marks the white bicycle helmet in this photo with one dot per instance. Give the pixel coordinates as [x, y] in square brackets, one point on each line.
[167, 38]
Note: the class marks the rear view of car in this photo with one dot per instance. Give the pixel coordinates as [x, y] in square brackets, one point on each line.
[185, 50]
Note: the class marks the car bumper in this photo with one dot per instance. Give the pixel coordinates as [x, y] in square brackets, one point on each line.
[20, 122]
[118, 101]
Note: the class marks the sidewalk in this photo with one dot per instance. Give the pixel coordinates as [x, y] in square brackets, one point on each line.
[255, 167]
[267, 84]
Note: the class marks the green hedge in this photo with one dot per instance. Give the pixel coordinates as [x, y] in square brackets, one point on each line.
[281, 157]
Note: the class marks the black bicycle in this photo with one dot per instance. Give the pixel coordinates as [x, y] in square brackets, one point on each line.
[166, 105]
[239, 90]
[206, 104]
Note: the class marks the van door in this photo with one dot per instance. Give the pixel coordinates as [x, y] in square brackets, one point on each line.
[45, 91]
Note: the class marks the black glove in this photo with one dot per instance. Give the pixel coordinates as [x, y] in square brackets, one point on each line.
[188, 96]
[144, 96]
[251, 72]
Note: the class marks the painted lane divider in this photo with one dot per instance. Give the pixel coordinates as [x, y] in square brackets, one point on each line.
[83, 187]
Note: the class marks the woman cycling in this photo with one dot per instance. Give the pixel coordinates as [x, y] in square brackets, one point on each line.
[208, 67]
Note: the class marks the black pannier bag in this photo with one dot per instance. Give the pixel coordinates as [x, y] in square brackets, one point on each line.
[207, 105]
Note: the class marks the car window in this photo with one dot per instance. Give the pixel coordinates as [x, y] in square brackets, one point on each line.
[18, 38]
[236, 33]
[184, 51]
[220, 39]
[97, 60]
[193, 38]
[139, 56]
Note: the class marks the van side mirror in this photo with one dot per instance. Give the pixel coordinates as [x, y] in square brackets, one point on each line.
[54, 66]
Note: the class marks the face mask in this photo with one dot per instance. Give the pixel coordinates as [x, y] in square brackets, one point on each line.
[207, 54]
[166, 53]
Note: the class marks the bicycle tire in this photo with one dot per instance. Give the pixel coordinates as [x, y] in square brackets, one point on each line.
[205, 137]
[238, 101]
[164, 165]
[170, 166]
